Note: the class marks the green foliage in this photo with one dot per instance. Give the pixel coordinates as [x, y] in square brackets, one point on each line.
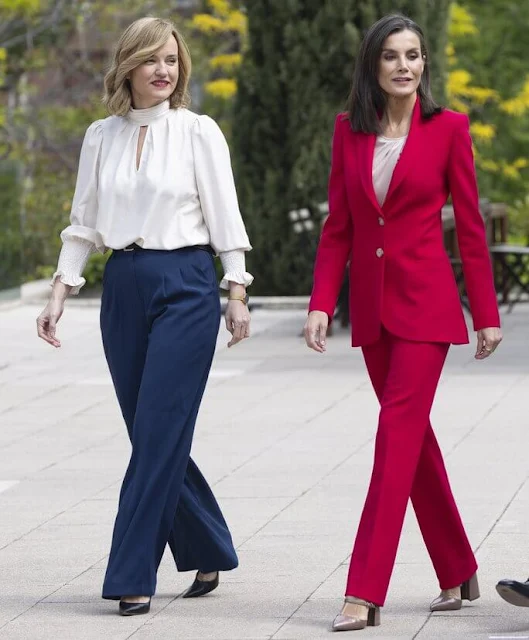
[46, 209]
[11, 236]
[519, 221]
[491, 50]
[10, 9]
[93, 273]
[53, 56]
[216, 35]
[294, 79]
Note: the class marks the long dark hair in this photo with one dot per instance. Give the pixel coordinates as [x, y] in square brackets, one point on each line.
[367, 101]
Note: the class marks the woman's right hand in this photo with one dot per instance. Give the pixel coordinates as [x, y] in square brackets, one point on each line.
[316, 330]
[47, 321]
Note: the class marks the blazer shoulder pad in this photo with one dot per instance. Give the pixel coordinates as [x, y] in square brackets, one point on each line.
[342, 119]
[454, 119]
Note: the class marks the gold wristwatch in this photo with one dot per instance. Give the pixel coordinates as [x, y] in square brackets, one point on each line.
[242, 299]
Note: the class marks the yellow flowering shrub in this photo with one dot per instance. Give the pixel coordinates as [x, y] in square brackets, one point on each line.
[483, 132]
[488, 165]
[224, 88]
[207, 23]
[511, 172]
[19, 6]
[237, 22]
[223, 30]
[3, 61]
[461, 22]
[222, 7]
[227, 61]
[521, 163]
[518, 105]
[459, 86]
[457, 83]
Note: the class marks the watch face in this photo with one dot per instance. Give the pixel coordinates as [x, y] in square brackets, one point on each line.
[246, 299]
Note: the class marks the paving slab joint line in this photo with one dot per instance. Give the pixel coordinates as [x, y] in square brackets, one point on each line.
[255, 456]
[69, 582]
[523, 483]
[294, 430]
[422, 626]
[515, 495]
[61, 387]
[487, 413]
[275, 442]
[53, 592]
[329, 407]
[146, 622]
[303, 493]
[245, 409]
[306, 600]
[57, 515]
[58, 424]
[95, 445]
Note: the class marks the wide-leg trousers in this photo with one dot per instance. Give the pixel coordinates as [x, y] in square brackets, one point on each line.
[407, 464]
[160, 315]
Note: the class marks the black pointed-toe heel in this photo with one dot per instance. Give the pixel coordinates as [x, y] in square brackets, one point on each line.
[201, 587]
[134, 608]
[514, 592]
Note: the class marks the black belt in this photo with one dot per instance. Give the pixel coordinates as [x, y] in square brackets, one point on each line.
[203, 247]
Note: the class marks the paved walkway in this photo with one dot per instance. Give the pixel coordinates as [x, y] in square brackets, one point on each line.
[285, 436]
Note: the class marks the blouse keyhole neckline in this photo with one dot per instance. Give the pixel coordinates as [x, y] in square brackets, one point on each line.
[142, 135]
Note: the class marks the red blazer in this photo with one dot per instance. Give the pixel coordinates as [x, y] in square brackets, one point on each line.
[399, 273]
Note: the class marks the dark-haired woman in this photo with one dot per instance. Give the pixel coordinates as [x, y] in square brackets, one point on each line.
[396, 158]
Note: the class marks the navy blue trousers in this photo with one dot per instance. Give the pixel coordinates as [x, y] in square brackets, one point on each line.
[160, 315]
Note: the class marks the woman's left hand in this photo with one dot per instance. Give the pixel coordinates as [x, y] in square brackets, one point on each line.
[488, 340]
[237, 321]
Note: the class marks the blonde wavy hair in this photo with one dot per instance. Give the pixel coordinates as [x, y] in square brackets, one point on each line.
[136, 45]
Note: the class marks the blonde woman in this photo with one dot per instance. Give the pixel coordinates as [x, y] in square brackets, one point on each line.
[155, 185]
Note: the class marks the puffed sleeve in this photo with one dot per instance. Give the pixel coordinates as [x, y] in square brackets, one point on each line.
[470, 229]
[80, 238]
[218, 200]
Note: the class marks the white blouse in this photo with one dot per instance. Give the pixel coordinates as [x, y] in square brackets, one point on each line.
[182, 193]
[387, 154]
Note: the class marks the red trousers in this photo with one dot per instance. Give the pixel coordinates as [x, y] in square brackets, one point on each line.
[408, 464]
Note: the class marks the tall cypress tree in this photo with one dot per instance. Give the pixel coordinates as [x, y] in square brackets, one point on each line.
[294, 79]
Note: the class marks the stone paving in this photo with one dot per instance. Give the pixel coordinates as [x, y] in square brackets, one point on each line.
[285, 437]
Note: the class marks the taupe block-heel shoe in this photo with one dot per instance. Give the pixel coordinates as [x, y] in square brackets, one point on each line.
[451, 599]
[360, 614]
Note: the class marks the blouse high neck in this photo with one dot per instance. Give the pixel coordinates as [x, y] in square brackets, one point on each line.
[144, 117]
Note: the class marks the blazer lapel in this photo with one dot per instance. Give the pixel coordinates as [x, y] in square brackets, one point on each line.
[410, 153]
[365, 146]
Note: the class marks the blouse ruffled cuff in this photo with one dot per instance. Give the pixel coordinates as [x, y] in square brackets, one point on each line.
[234, 265]
[76, 282]
[72, 262]
[244, 278]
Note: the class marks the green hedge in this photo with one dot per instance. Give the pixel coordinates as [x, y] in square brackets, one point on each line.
[11, 235]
